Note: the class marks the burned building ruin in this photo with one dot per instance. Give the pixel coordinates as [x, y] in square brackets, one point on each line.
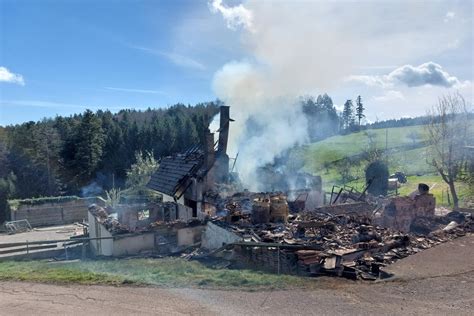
[186, 177]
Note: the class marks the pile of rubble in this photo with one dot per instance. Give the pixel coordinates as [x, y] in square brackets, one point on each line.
[264, 230]
[315, 243]
[110, 221]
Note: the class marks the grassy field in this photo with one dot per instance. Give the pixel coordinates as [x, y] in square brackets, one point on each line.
[166, 272]
[341, 146]
[322, 158]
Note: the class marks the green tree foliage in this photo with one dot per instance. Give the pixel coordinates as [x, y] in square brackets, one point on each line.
[59, 156]
[112, 197]
[348, 118]
[359, 109]
[322, 117]
[140, 172]
[90, 139]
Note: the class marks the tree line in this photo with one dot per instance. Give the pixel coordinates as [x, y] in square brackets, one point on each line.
[64, 155]
[325, 121]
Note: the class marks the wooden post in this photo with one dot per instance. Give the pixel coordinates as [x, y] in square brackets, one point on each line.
[278, 254]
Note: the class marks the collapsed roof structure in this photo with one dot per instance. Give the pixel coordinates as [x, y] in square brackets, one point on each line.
[186, 177]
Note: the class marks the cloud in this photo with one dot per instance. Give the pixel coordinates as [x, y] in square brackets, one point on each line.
[429, 73]
[390, 95]
[449, 16]
[234, 16]
[177, 59]
[10, 77]
[135, 90]
[373, 81]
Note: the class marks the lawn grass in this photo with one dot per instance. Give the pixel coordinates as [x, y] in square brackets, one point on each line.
[42, 271]
[341, 146]
[319, 158]
[166, 272]
[437, 187]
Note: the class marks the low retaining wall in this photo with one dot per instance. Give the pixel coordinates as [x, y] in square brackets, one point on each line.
[53, 213]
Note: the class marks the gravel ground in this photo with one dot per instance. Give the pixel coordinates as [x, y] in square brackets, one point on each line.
[438, 281]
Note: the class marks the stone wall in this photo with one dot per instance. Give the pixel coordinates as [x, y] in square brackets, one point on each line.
[53, 213]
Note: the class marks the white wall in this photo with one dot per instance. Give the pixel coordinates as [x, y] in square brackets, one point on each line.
[215, 237]
[169, 198]
[100, 247]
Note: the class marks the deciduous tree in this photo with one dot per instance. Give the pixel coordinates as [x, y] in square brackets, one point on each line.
[448, 132]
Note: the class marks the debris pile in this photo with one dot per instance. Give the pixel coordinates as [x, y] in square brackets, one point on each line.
[354, 240]
[314, 243]
[109, 221]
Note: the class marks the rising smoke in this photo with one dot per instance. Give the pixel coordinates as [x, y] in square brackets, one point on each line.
[297, 48]
[263, 91]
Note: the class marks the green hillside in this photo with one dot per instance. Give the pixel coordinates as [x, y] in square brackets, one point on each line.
[342, 154]
[341, 146]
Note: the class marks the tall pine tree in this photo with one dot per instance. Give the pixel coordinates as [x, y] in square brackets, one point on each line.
[359, 109]
[348, 114]
[90, 141]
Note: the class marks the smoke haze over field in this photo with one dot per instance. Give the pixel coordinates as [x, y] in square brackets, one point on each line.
[303, 47]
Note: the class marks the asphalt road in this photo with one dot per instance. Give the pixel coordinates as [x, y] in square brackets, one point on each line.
[438, 281]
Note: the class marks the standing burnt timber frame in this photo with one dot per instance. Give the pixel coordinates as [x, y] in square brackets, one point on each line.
[222, 159]
[352, 193]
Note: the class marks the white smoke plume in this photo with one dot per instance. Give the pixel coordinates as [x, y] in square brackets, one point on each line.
[296, 48]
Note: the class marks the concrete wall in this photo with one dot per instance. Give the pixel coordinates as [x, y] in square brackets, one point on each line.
[131, 244]
[53, 213]
[215, 237]
[124, 245]
[185, 213]
[101, 247]
[190, 235]
[120, 245]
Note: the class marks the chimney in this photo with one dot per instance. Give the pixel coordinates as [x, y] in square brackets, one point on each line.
[209, 154]
[223, 129]
[222, 159]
